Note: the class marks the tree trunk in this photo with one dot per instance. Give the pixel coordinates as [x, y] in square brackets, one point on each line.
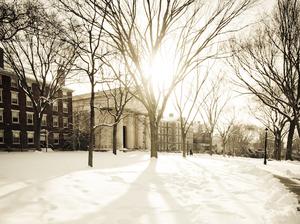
[183, 144]
[154, 137]
[224, 147]
[92, 124]
[115, 128]
[277, 146]
[289, 147]
[37, 131]
[210, 143]
[298, 127]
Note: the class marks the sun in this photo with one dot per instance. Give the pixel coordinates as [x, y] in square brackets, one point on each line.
[159, 70]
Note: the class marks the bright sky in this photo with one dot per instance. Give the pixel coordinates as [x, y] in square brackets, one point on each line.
[239, 102]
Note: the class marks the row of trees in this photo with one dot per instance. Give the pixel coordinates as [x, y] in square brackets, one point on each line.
[267, 64]
[34, 47]
[139, 32]
[117, 45]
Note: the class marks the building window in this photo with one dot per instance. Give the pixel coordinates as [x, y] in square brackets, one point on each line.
[29, 117]
[1, 136]
[16, 137]
[55, 138]
[44, 120]
[1, 98]
[55, 121]
[1, 115]
[15, 116]
[28, 102]
[65, 107]
[66, 137]
[55, 106]
[30, 137]
[14, 82]
[14, 98]
[65, 122]
[0, 79]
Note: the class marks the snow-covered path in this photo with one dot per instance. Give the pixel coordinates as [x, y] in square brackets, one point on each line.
[57, 187]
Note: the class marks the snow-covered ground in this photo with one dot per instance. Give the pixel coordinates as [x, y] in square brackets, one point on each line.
[58, 187]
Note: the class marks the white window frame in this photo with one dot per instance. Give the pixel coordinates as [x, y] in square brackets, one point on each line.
[54, 118]
[55, 106]
[28, 102]
[66, 137]
[19, 133]
[2, 136]
[14, 82]
[31, 133]
[55, 137]
[12, 117]
[17, 98]
[65, 107]
[65, 124]
[31, 114]
[44, 120]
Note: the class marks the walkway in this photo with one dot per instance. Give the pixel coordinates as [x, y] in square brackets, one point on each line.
[292, 186]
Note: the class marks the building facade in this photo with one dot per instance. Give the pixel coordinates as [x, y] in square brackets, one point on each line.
[132, 130]
[17, 126]
[169, 134]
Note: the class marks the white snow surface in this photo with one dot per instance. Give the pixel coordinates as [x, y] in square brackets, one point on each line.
[131, 188]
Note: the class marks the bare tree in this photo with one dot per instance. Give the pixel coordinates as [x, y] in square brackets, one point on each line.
[270, 63]
[38, 54]
[180, 32]
[213, 107]
[225, 130]
[16, 16]
[81, 131]
[117, 96]
[240, 139]
[275, 122]
[87, 34]
[188, 100]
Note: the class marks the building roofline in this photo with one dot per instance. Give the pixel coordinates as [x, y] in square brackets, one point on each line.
[11, 73]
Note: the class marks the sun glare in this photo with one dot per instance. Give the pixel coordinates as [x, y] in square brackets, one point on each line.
[159, 70]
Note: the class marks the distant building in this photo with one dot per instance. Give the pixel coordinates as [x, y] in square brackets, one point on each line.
[170, 135]
[17, 124]
[201, 139]
[133, 129]
[201, 142]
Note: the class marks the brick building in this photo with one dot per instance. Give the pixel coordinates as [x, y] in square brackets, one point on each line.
[169, 135]
[17, 116]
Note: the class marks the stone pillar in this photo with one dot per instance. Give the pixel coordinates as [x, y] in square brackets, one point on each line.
[130, 132]
[140, 132]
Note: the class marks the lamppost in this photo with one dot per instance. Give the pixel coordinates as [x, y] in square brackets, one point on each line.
[266, 142]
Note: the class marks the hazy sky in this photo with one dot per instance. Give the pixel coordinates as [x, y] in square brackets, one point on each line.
[239, 102]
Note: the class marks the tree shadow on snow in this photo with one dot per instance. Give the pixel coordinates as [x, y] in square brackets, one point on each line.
[146, 201]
